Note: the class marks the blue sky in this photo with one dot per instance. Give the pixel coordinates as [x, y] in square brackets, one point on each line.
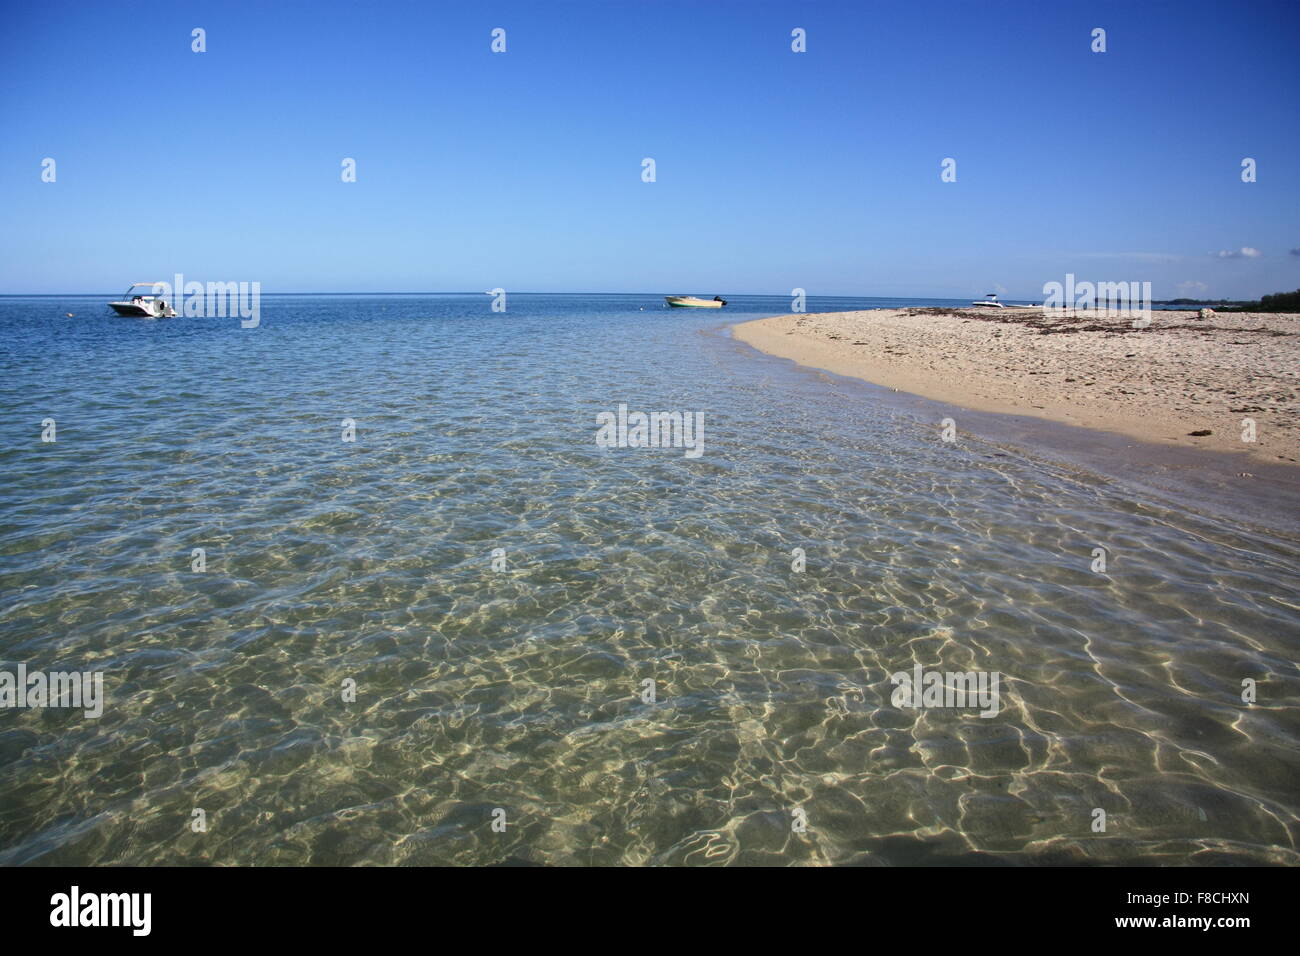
[774, 169]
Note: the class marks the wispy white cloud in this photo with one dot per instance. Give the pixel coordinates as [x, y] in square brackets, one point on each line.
[1245, 252]
[1135, 256]
[1191, 289]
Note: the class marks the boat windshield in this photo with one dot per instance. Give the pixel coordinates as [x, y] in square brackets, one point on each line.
[148, 292]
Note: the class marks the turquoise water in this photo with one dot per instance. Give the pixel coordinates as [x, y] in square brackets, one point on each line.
[521, 689]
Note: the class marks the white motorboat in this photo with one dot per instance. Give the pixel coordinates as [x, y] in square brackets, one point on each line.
[143, 306]
[990, 301]
[694, 302]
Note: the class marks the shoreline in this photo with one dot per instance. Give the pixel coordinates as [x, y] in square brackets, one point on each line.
[1157, 385]
[1226, 482]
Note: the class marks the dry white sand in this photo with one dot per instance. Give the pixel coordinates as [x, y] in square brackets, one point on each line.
[1182, 374]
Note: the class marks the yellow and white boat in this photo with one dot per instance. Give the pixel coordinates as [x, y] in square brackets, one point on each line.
[694, 302]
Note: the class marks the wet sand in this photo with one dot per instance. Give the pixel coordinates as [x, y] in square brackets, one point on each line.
[1169, 383]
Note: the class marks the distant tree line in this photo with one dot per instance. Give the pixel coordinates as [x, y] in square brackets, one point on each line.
[1278, 302]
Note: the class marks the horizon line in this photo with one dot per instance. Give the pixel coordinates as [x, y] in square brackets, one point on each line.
[768, 295]
[754, 295]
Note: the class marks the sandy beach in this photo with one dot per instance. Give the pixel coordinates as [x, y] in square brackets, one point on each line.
[1182, 380]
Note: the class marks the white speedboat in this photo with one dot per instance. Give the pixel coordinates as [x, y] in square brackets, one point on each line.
[694, 302]
[990, 301]
[143, 306]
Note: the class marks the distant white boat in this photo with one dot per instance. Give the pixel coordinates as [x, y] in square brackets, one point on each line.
[694, 302]
[143, 306]
[990, 301]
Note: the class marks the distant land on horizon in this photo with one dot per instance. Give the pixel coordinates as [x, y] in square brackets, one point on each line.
[755, 295]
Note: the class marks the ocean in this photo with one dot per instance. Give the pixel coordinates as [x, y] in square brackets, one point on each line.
[364, 588]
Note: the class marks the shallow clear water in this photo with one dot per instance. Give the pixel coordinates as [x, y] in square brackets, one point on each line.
[522, 689]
